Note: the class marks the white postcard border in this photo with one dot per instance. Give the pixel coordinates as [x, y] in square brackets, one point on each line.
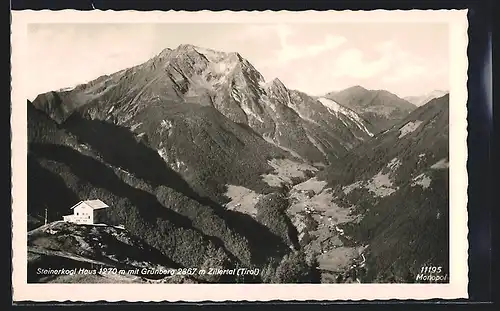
[457, 288]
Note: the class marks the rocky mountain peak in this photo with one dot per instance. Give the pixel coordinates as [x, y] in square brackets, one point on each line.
[277, 89]
[276, 82]
[276, 85]
[236, 56]
[209, 54]
[184, 50]
[165, 52]
[185, 47]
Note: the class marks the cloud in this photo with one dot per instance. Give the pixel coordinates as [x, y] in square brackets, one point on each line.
[264, 31]
[286, 51]
[333, 62]
[406, 66]
[405, 72]
[66, 55]
[351, 63]
[290, 52]
[391, 65]
[386, 47]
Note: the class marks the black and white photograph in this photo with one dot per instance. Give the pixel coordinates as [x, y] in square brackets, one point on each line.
[242, 152]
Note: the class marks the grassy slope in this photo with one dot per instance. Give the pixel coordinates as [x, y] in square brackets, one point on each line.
[91, 245]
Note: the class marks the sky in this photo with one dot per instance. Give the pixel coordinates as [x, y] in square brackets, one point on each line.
[407, 59]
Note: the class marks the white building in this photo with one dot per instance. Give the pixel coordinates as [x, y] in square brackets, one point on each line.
[87, 212]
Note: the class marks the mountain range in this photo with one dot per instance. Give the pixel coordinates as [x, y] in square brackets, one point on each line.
[208, 165]
[397, 183]
[379, 108]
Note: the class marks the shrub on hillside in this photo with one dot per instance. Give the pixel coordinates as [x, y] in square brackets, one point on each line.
[294, 268]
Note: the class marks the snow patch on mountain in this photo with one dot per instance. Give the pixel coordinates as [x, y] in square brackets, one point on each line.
[244, 106]
[217, 68]
[266, 102]
[166, 125]
[163, 154]
[222, 68]
[66, 89]
[333, 105]
[135, 126]
[211, 55]
[394, 164]
[421, 180]
[250, 113]
[353, 116]
[408, 128]
[178, 166]
[175, 164]
[295, 108]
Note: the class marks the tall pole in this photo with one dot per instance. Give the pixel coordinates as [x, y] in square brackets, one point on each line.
[45, 214]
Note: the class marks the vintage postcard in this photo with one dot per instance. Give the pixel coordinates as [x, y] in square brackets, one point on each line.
[225, 156]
